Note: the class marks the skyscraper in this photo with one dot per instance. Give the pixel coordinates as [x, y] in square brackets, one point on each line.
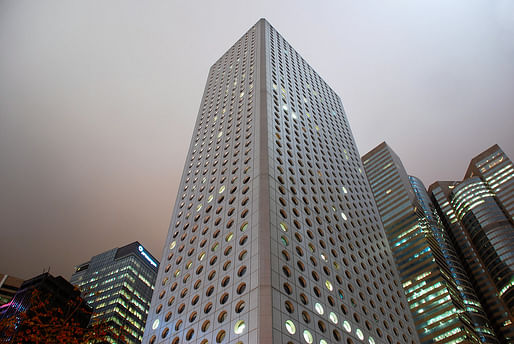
[118, 284]
[496, 170]
[275, 237]
[443, 302]
[478, 214]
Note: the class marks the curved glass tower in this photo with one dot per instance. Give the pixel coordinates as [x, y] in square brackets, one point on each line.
[478, 214]
[484, 239]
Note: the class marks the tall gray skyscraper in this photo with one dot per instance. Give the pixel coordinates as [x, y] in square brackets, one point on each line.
[275, 236]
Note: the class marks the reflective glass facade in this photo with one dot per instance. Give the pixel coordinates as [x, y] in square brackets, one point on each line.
[275, 237]
[118, 285]
[441, 297]
[496, 170]
[478, 215]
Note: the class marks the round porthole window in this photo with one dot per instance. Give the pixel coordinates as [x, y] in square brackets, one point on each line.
[239, 327]
[308, 337]
[155, 324]
[319, 308]
[290, 327]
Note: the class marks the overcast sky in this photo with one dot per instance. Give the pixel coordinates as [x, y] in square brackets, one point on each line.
[98, 100]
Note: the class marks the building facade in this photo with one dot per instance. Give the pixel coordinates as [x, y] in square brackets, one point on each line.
[478, 214]
[118, 285]
[275, 236]
[443, 302]
[8, 287]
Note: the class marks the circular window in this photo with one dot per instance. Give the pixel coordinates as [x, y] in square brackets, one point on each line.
[220, 336]
[359, 334]
[240, 306]
[241, 271]
[290, 327]
[347, 326]
[222, 316]
[239, 327]
[319, 308]
[205, 325]
[190, 334]
[333, 317]
[241, 288]
[308, 337]
[155, 324]
[223, 298]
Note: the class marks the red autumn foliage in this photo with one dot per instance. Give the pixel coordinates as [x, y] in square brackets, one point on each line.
[46, 322]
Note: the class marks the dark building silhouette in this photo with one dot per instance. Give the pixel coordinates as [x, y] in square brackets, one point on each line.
[118, 284]
[275, 236]
[443, 302]
[478, 215]
[62, 298]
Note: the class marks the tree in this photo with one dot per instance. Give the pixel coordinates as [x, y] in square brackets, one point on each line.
[48, 321]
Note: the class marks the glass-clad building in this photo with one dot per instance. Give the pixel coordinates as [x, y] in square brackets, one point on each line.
[275, 237]
[478, 214]
[118, 285]
[441, 297]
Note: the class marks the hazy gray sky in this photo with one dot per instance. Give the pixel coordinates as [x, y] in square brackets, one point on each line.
[98, 100]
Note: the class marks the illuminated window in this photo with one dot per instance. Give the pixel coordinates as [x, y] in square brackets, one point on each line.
[319, 308]
[333, 317]
[308, 337]
[239, 327]
[290, 327]
[155, 324]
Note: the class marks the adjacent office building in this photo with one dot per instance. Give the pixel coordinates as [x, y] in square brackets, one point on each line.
[8, 287]
[443, 302]
[275, 236]
[118, 285]
[478, 213]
